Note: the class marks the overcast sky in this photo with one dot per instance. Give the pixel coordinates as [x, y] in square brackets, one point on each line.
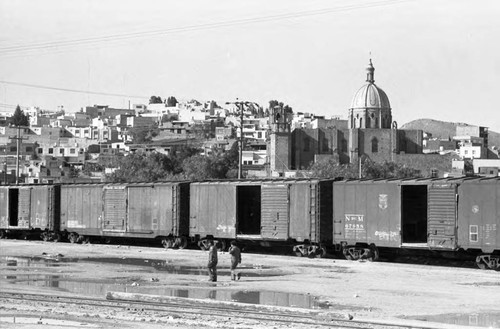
[434, 59]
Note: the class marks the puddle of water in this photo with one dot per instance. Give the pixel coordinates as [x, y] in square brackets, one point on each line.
[158, 265]
[31, 262]
[43, 321]
[99, 289]
[487, 320]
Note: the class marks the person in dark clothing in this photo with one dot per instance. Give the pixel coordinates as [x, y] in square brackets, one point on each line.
[212, 262]
[235, 253]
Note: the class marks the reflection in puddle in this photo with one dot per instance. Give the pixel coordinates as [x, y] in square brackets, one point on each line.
[158, 265]
[487, 320]
[100, 289]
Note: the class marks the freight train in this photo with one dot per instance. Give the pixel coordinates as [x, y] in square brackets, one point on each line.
[356, 218]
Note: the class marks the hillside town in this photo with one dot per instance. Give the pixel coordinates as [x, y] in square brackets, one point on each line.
[59, 145]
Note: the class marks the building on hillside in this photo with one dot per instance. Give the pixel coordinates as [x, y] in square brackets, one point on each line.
[486, 167]
[441, 146]
[5, 118]
[252, 129]
[473, 131]
[223, 133]
[104, 111]
[47, 170]
[140, 122]
[471, 147]
[174, 130]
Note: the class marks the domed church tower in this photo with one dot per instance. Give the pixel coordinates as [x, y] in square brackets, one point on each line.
[370, 107]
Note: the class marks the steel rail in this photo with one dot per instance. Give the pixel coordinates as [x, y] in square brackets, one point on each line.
[215, 311]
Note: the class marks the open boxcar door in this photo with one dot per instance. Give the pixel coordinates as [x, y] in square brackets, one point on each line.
[442, 216]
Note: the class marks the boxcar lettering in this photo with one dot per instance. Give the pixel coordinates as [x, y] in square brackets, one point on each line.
[354, 218]
[382, 201]
[489, 231]
[225, 228]
[387, 236]
[75, 224]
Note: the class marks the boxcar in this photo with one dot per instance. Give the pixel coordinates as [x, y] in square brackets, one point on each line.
[264, 211]
[435, 214]
[479, 220]
[140, 210]
[29, 209]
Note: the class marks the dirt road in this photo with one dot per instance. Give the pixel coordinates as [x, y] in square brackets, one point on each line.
[358, 290]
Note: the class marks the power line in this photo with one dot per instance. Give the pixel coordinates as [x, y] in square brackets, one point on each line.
[70, 90]
[126, 36]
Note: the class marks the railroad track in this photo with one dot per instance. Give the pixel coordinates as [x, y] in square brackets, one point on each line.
[190, 309]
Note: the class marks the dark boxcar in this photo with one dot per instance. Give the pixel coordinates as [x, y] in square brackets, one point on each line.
[29, 209]
[264, 211]
[139, 210]
[4, 210]
[416, 213]
[479, 219]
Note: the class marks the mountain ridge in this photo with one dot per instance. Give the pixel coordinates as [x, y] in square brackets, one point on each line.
[446, 130]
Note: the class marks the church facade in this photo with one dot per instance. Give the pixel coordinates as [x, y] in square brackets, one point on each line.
[369, 132]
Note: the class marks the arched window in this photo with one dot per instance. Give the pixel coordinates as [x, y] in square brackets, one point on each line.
[374, 145]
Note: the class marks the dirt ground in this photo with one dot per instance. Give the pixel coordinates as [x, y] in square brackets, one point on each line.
[364, 290]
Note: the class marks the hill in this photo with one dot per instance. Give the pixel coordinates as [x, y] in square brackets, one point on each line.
[445, 130]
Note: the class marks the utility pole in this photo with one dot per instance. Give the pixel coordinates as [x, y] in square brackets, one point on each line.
[240, 157]
[18, 139]
[241, 106]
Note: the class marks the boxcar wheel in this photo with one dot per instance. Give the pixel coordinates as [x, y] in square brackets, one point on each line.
[481, 265]
[203, 244]
[167, 243]
[373, 253]
[56, 237]
[45, 236]
[73, 238]
[321, 252]
[182, 242]
[347, 253]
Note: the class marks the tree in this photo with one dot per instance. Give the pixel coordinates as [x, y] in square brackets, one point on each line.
[201, 167]
[143, 135]
[387, 169]
[274, 103]
[172, 101]
[19, 118]
[331, 168]
[142, 168]
[155, 100]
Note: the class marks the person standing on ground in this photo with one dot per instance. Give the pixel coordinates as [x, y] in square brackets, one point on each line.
[212, 262]
[235, 253]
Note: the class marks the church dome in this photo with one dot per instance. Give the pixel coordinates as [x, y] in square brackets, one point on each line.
[370, 96]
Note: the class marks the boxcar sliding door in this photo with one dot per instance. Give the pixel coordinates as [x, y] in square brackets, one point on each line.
[442, 215]
[275, 211]
[115, 208]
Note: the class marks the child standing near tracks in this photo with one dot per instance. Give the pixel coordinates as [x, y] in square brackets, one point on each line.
[235, 253]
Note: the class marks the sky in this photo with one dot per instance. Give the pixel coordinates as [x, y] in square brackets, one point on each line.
[437, 59]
